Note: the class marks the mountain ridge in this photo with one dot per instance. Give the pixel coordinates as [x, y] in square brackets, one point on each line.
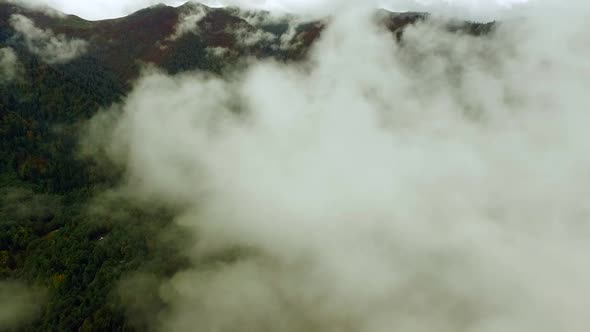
[144, 35]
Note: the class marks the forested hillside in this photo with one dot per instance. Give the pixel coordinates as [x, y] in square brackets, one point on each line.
[62, 231]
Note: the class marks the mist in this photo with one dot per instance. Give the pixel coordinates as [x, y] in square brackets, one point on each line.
[18, 304]
[10, 66]
[437, 184]
[94, 10]
[188, 21]
[52, 48]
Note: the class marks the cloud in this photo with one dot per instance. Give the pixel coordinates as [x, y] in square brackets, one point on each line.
[52, 48]
[116, 8]
[10, 66]
[188, 21]
[218, 51]
[288, 37]
[18, 304]
[248, 34]
[46, 7]
[251, 36]
[23, 204]
[438, 185]
[94, 10]
[255, 34]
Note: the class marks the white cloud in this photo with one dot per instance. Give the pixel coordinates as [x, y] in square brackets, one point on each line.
[189, 21]
[440, 186]
[251, 36]
[18, 304]
[256, 34]
[218, 51]
[115, 8]
[50, 47]
[47, 7]
[10, 66]
[288, 37]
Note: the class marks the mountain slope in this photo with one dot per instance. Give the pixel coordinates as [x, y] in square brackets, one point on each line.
[144, 36]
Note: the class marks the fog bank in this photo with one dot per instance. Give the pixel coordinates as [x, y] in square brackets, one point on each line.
[439, 185]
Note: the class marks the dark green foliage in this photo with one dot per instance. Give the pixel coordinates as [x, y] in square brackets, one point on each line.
[56, 232]
[78, 248]
[51, 235]
[190, 53]
[278, 29]
[39, 115]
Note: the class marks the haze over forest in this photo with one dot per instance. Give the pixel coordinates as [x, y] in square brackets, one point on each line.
[194, 168]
